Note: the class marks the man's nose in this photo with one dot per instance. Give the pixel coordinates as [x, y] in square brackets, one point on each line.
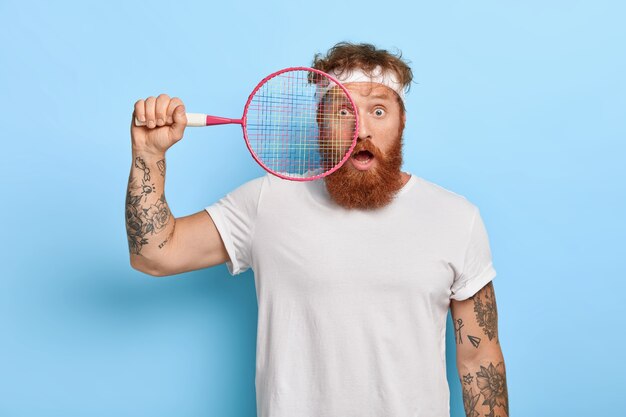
[364, 131]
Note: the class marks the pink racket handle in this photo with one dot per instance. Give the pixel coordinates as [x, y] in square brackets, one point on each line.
[200, 120]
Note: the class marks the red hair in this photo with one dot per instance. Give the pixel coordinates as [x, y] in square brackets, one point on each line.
[345, 56]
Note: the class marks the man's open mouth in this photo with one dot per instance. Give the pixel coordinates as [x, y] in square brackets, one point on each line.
[363, 156]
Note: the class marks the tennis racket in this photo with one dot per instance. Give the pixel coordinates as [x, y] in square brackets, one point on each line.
[299, 123]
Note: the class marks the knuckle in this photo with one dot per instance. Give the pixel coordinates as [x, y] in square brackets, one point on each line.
[163, 96]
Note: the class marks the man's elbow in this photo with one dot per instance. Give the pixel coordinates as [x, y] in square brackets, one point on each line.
[479, 356]
[140, 264]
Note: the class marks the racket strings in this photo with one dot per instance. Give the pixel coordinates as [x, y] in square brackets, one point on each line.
[294, 132]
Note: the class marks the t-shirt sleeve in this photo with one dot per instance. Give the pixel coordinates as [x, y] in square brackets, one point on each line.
[477, 269]
[234, 216]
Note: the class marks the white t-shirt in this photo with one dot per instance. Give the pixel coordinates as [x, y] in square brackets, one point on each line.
[353, 303]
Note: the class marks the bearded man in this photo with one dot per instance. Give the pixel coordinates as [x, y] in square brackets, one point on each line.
[355, 272]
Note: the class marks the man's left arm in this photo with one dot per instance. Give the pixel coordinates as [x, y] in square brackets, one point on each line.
[479, 358]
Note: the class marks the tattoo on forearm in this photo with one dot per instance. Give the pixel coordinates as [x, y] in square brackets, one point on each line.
[166, 239]
[470, 401]
[486, 311]
[146, 187]
[492, 384]
[161, 166]
[492, 388]
[143, 219]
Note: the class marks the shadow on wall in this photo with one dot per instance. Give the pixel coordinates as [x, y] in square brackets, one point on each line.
[128, 343]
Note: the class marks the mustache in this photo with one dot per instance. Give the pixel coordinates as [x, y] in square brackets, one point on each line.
[367, 146]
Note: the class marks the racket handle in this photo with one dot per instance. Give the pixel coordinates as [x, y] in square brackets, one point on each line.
[200, 120]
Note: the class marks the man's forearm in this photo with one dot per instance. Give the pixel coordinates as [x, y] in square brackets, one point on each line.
[483, 382]
[149, 221]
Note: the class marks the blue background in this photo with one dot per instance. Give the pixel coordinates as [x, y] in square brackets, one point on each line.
[519, 106]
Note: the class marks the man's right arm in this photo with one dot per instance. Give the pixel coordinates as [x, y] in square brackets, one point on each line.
[160, 244]
[195, 243]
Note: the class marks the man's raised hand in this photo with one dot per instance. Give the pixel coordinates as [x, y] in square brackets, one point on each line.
[157, 124]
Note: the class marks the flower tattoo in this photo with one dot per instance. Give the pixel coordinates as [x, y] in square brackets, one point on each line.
[492, 384]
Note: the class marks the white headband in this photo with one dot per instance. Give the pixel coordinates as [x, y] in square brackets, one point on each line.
[356, 75]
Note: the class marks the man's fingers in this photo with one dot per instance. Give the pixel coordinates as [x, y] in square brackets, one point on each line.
[151, 112]
[180, 122]
[140, 110]
[160, 110]
[174, 102]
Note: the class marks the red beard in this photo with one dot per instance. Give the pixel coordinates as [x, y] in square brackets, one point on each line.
[372, 188]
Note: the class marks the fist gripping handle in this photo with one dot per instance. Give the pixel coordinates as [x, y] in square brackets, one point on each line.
[199, 120]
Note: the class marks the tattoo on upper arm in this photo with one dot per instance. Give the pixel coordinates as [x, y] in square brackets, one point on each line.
[486, 311]
[458, 336]
[474, 340]
[458, 325]
[144, 219]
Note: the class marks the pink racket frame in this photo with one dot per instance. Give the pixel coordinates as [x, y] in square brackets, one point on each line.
[214, 120]
[198, 119]
[356, 123]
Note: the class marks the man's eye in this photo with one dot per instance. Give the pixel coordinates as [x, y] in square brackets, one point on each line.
[344, 112]
[379, 112]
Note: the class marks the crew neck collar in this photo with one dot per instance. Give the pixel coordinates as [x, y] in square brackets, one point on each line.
[318, 188]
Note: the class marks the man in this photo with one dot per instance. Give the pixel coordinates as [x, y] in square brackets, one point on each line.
[354, 273]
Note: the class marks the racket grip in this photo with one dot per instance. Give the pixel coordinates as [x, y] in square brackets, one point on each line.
[193, 120]
[200, 120]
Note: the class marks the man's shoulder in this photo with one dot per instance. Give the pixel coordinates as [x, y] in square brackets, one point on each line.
[441, 196]
[271, 185]
[249, 189]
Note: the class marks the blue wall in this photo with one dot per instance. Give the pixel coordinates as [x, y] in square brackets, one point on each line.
[519, 106]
